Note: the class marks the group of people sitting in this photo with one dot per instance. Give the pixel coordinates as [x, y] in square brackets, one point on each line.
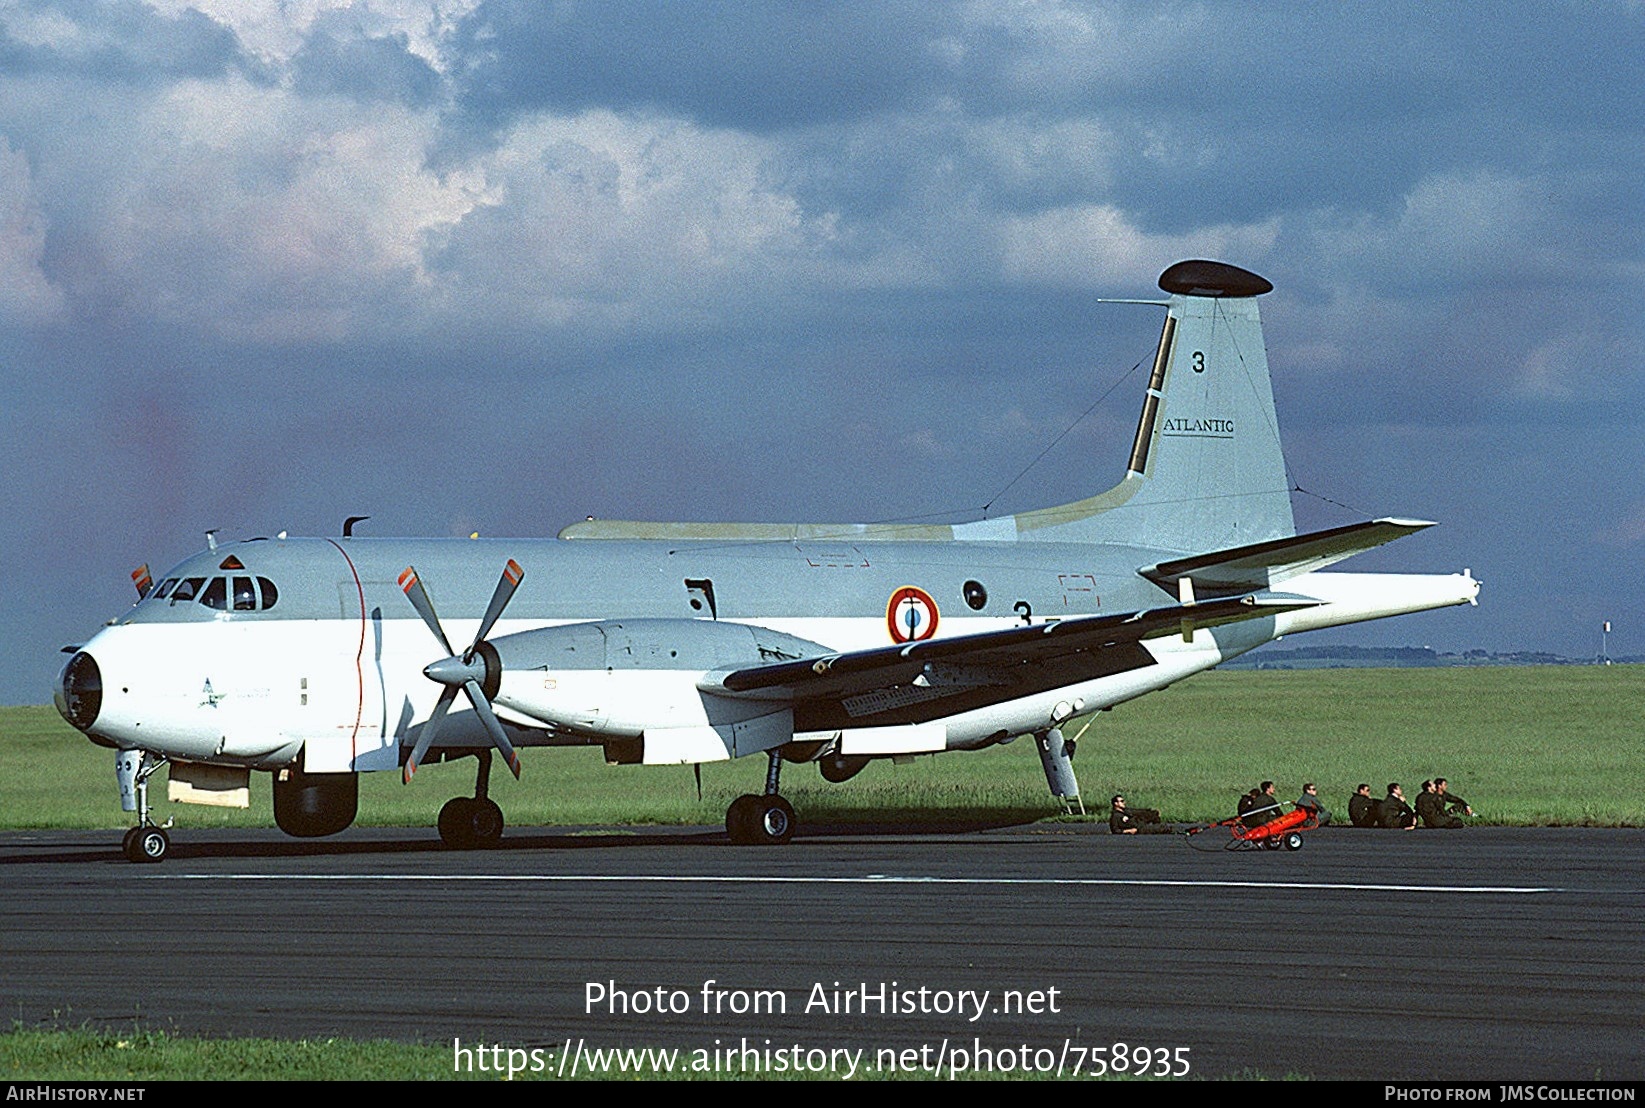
[1437, 806]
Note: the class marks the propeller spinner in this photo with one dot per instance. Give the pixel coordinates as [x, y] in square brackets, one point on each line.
[466, 671]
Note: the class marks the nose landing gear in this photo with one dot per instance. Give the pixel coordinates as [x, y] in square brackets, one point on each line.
[148, 841]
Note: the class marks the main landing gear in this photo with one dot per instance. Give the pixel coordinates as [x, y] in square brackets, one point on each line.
[148, 841]
[769, 818]
[468, 822]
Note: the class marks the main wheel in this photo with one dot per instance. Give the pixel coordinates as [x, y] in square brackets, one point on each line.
[485, 823]
[1271, 844]
[739, 818]
[1293, 841]
[455, 821]
[149, 844]
[128, 845]
[773, 820]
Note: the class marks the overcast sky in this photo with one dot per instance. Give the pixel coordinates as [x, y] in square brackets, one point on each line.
[463, 266]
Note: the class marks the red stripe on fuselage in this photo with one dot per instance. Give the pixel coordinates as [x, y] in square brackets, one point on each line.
[359, 656]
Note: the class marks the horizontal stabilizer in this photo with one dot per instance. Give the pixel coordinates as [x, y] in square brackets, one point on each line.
[1262, 564]
[989, 658]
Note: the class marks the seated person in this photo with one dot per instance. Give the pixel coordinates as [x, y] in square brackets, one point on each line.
[1427, 808]
[1395, 812]
[1364, 810]
[1450, 799]
[1309, 802]
[1260, 805]
[1127, 821]
[1445, 806]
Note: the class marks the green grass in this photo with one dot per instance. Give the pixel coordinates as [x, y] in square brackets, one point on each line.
[86, 1054]
[1526, 745]
[135, 1056]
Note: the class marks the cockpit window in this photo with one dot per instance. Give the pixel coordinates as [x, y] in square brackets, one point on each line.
[216, 594]
[243, 593]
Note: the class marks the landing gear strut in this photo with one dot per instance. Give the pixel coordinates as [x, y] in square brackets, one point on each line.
[467, 822]
[148, 841]
[1057, 759]
[769, 818]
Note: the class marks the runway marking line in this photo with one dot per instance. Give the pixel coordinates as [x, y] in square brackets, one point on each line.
[870, 879]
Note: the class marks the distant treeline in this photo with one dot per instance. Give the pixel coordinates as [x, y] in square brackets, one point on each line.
[1352, 657]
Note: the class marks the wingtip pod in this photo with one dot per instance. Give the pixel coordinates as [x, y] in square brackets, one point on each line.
[1355, 597]
[1199, 277]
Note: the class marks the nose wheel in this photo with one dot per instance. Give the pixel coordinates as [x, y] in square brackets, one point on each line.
[146, 844]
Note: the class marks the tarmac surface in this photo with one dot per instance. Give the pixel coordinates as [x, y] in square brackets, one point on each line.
[1486, 953]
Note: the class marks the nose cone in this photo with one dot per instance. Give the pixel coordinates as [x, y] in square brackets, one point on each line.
[79, 695]
[456, 672]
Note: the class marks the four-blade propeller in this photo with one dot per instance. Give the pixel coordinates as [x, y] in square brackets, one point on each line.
[466, 671]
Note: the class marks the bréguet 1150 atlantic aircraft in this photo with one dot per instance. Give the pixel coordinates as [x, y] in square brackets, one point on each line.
[319, 659]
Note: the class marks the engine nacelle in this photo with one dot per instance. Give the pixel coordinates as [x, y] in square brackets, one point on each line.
[621, 678]
[309, 805]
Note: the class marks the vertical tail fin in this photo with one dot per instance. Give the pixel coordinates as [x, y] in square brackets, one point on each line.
[1206, 469]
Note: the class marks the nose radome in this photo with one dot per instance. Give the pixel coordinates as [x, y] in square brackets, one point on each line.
[79, 694]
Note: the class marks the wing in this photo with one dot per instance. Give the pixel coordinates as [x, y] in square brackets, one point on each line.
[924, 680]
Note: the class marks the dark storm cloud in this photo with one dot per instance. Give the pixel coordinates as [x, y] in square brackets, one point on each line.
[339, 59]
[123, 42]
[750, 65]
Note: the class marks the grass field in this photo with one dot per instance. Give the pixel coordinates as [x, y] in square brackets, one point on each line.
[1525, 745]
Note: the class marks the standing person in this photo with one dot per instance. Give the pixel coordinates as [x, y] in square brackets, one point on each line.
[1362, 808]
[1395, 812]
[1309, 802]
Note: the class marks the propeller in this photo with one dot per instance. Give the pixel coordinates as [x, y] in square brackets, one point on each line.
[466, 671]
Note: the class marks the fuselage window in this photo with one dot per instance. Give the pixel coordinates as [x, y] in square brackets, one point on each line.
[187, 589]
[270, 593]
[245, 595]
[216, 594]
[165, 588]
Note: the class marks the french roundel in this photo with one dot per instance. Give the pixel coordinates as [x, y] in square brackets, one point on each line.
[911, 615]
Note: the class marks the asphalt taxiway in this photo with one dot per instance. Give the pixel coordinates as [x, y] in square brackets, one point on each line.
[1486, 953]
